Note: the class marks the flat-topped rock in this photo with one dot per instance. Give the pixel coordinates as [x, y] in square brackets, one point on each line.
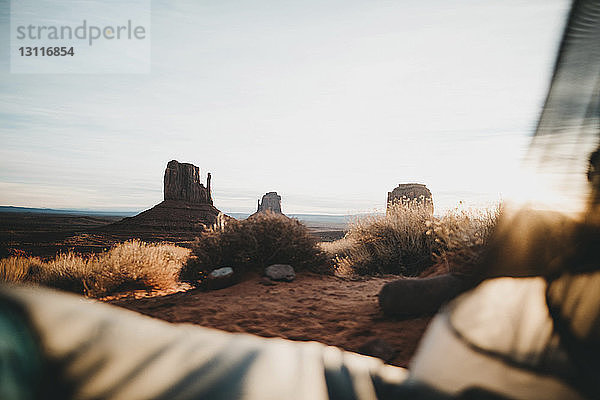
[411, 194]
[271, 201]
[182, 182]
[187, 204]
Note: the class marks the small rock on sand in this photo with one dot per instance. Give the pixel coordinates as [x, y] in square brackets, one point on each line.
[222, 272]
[280, 272]
[221, 278]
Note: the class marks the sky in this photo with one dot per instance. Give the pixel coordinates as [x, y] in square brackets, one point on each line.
[330, 103]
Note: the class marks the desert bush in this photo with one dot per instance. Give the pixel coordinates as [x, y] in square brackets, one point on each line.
[135, 264]
[18, 268]
[407, 239]
[252, 244]
[394, 243]
[461, 235]
[129, 265]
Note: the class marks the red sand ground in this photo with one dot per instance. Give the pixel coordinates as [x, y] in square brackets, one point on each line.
[327, 309]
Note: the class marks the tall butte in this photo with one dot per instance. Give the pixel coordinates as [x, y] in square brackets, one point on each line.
[271, 203]
[187, 204]
[182, 183]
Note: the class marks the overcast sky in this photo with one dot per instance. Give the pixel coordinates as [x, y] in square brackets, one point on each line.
[330, 103]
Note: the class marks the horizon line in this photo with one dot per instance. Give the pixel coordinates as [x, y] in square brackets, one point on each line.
[137, 211]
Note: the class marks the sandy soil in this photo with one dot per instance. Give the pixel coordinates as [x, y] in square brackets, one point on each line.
[327, 309]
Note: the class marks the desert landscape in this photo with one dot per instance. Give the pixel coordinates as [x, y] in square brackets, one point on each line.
[162, 263]
[300, 200]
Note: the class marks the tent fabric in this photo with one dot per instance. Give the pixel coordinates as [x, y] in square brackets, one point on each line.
[495, 341]
[21, 363]
[574, 303]
[569, 125]
[98, 351]
[575, 298]
[567, 132]
[499, 336]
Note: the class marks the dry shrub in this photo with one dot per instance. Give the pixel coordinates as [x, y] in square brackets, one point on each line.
[18, 268]
[408, 239]
[252, 244]
[135, 264]
[66, 271]
[462, 235]
[129, 265]
[395, 243]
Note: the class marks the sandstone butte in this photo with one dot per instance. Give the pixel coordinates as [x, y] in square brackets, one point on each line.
[187, 204]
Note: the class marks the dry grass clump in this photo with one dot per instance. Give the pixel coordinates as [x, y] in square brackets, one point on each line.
[462, 235]
[395, 243]
[129, 265]
[138, 264]
[18, 268]
[408, 239]
[252, 244]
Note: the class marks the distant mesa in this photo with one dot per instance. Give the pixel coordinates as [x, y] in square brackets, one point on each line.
[411, 193]
[182, 182]
[187, 204]
[270, 202]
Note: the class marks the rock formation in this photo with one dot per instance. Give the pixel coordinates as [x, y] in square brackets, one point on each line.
[413, 193]
[187, 204]
[182, 182]
[270, 202]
